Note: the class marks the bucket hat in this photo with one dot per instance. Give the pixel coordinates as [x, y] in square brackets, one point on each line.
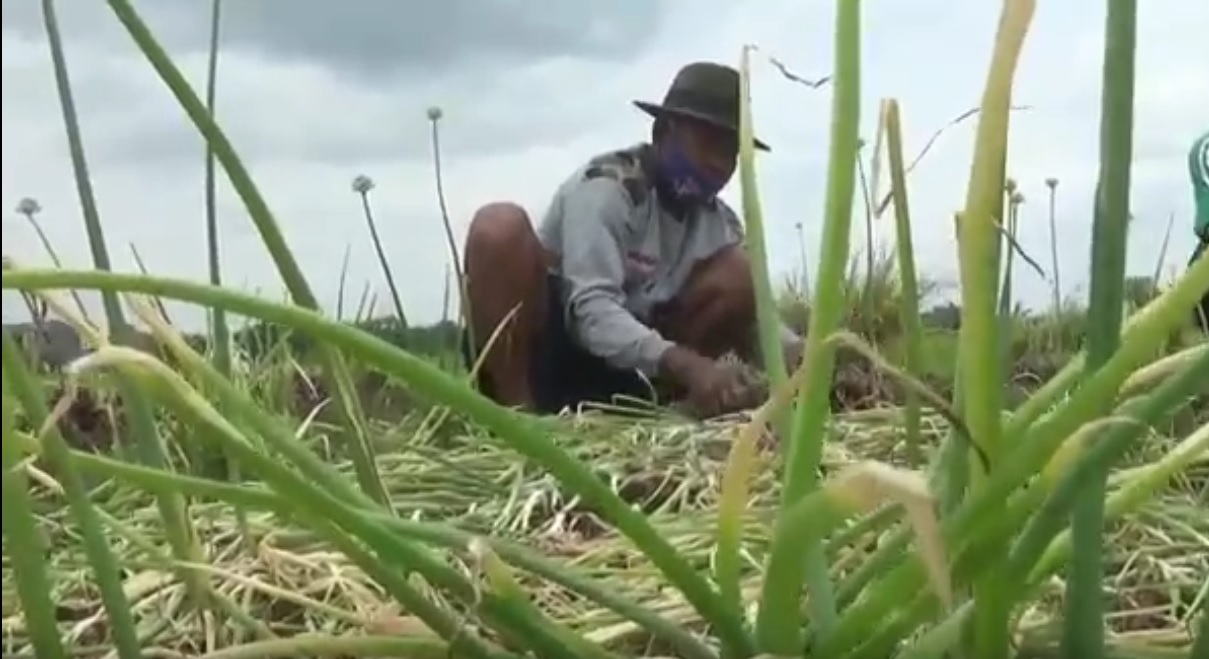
[704, 91]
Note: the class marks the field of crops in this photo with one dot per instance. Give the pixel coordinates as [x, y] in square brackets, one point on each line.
[966, 481]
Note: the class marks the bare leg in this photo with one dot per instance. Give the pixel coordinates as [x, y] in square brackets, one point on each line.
[505, 266]
[716, 311]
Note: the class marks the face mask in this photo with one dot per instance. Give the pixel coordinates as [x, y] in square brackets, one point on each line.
[684, 179]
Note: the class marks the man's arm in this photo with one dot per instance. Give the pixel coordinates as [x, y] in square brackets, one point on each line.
[593, 263]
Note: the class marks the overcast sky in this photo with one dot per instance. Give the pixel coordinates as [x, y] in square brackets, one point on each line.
[314, 92]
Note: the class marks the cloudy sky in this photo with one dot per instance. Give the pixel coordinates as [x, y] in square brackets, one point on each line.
[314, 92]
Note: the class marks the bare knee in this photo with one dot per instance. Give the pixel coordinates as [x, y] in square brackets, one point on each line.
[505, 296]
[715, 312]
[504, 264]
[725, 282]
[501, 241]
[499, 228]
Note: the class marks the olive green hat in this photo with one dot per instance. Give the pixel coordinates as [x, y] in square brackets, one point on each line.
[704, 91]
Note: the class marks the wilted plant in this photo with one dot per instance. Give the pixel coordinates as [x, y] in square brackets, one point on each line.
[362, 186]
[1052, 184]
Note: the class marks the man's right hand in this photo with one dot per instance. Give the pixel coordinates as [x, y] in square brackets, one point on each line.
[711, 390]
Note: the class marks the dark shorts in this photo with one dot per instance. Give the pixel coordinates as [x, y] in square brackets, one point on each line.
[1202, 311]
[562, 374]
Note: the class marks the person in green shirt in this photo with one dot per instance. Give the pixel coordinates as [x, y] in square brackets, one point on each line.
[1198, 170]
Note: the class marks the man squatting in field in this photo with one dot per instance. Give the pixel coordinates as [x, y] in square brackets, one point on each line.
[1198, 169]
[636, 274]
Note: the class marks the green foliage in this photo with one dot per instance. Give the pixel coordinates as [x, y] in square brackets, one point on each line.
[946, 546]
[259, 339]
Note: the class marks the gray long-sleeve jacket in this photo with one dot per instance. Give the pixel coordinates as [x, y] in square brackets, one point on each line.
[621, 253]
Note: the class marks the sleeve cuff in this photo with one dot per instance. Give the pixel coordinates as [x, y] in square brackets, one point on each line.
[650, 353]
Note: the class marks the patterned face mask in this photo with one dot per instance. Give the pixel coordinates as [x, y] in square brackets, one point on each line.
[683, 177]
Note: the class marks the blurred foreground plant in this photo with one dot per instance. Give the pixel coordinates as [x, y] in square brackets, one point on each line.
[944, 580]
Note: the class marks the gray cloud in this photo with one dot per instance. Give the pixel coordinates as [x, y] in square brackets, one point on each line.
[269, 120]
[387, 62]
[379, 37]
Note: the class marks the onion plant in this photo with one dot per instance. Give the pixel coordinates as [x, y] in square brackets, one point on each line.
[1026, 493]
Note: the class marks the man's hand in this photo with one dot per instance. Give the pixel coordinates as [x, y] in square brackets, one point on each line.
[712, 390]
